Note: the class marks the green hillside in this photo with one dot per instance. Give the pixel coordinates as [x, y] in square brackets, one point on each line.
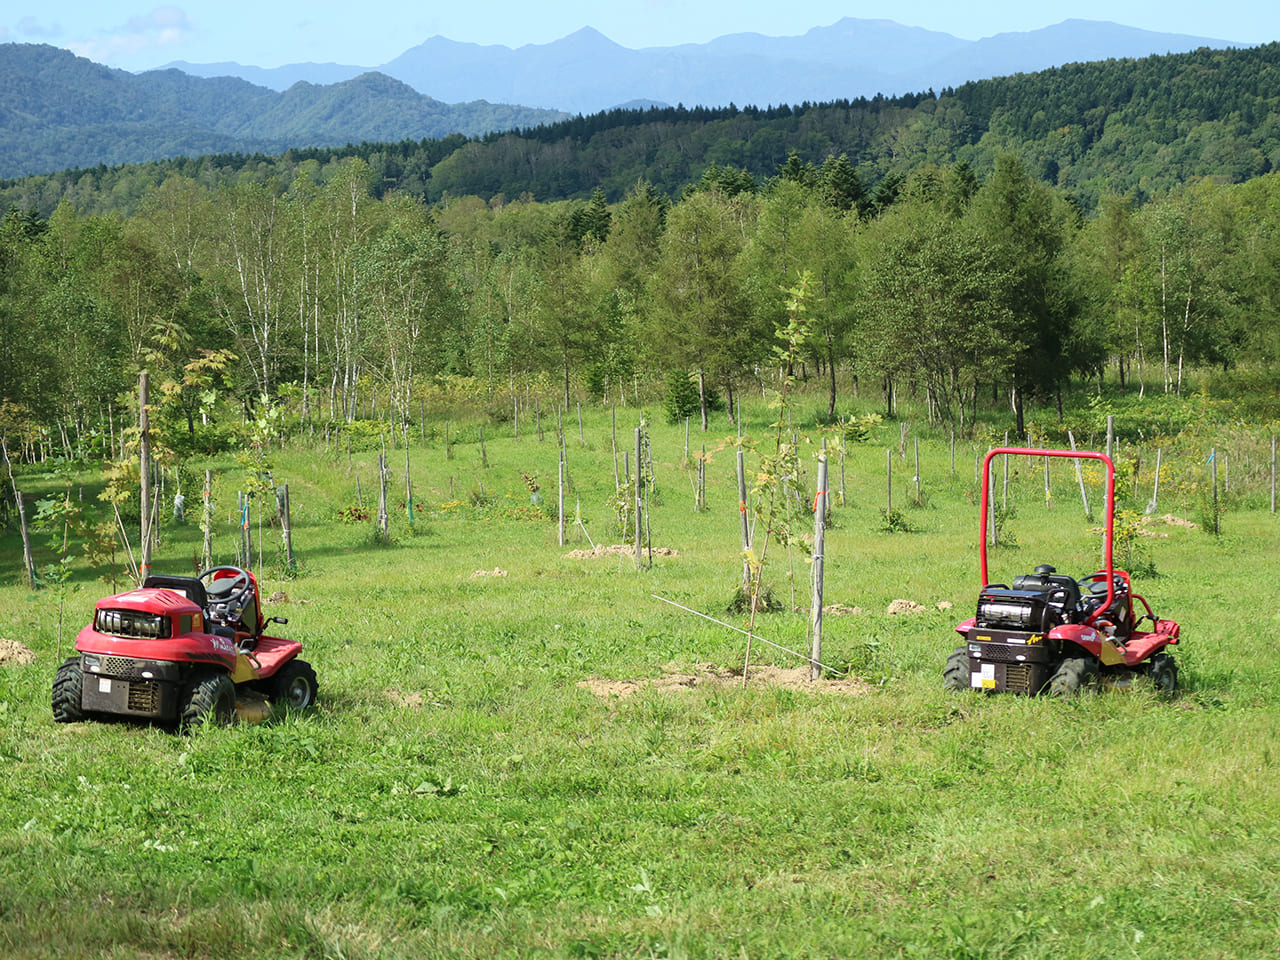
[58, 111]
[1139, 126]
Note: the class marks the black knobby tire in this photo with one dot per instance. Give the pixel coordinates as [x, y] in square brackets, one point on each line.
[1164, 674]
[1074, 675]
[210, 699]
[956, 674]
[68, 692]
[294, 686]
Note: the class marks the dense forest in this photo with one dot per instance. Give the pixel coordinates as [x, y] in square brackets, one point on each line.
[322, 294]
[940, 258]
[1138, 127]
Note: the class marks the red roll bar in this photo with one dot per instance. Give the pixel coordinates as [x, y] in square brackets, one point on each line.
[1077, 454]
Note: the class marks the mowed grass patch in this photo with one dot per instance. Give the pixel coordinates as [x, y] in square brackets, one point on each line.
[456, 792]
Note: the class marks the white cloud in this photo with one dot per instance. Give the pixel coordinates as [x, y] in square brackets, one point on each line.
[162, 27]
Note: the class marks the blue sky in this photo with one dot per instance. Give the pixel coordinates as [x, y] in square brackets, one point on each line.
[139, 36]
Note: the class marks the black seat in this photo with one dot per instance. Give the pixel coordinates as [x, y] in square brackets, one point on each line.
[1060, 591]
[189, 587]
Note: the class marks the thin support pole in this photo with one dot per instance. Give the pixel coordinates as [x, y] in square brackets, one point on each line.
[639, 505]
[819, 543]
[1084, 496]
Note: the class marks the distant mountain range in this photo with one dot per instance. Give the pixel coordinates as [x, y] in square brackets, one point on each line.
[59, 111]
[586, 72]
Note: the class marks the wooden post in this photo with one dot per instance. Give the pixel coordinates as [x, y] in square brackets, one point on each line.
[888, 483]
[286, 527]
[560, 497]
[1111, 435]
[953, 453]
[484, 457]
[1213, 462]
[993, 531]
[819, 541]
[1004, 462]
[582, 440]
[408, 480]
[746, 527]
[1154, 504]
[144, 467]
[28, 561]
[1048, 491]
[702, 479]
[448, 450]
[1084, 497]
[382, 497]
[206, 547]
[916, 441]
[1273, 473]
[246, 548]
[639, 499]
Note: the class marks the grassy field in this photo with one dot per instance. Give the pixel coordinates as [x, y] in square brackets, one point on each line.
[462, 791]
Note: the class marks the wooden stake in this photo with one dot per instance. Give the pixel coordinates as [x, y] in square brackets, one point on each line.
[1154, 504]
[888, 483]
[746, 528]
[144, 467]
[819, 542]
[206, 547]
[1084, 497]
[639, 499]
[286, 527]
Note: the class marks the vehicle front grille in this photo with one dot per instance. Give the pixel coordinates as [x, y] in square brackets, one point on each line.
[132, 623]
[121, 667]
[1017, 677]
[144, 697]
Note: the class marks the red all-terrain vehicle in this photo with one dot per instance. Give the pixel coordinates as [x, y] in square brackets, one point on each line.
[1049, 632]
[189, 650]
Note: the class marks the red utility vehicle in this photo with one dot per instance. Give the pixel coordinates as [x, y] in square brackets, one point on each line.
[1049, 632]
[189, 650]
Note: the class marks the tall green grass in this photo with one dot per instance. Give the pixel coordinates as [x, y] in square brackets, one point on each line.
[457, 793]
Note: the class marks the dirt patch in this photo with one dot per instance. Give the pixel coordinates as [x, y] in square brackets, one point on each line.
[618, 549]
[709, 675]
[904, 606]
[406, 698]
[12, 652]
[1170, 520]
[278, 597]
[495, 572]
[840, 610]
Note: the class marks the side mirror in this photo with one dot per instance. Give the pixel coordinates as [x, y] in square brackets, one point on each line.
[280, 620]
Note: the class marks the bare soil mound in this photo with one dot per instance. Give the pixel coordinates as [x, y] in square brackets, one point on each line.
[709, 675]
[12, 652]
[618, 549]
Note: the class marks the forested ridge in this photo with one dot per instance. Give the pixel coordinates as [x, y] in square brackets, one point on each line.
[1132, 126]
[317, 280]
[58, 110]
